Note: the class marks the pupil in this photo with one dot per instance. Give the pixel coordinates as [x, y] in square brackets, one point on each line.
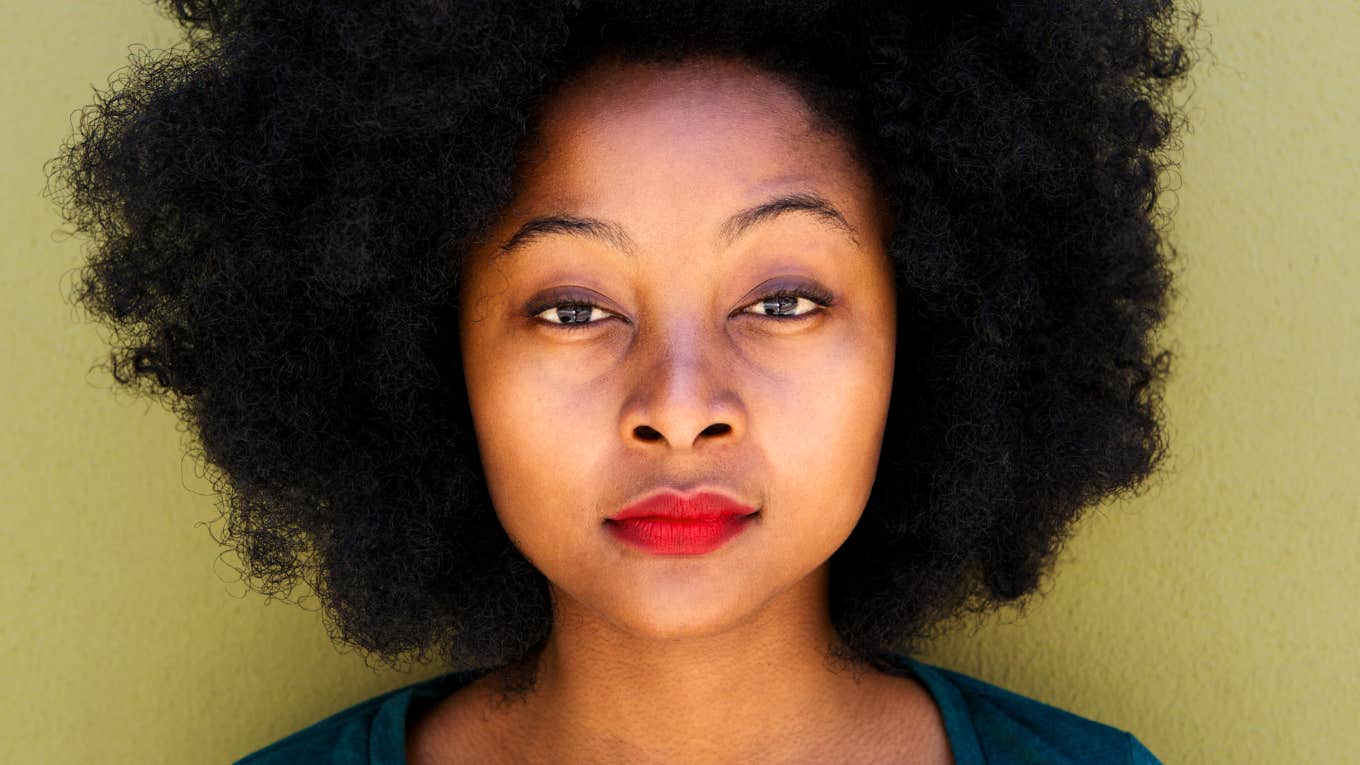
[565, 314]
[782, 303]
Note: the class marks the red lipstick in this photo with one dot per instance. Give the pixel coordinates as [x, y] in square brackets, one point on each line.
[673, 523]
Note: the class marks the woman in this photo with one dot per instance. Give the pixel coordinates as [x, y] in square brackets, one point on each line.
[672, 370]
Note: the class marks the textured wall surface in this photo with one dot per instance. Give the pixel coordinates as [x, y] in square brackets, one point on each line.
[1214, 617]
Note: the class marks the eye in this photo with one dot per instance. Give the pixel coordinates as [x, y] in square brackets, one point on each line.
[569, 314]
[784, 303]
[572, 313]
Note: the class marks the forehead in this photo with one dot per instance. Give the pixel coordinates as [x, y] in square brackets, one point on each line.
[707, 134]
[675, 98]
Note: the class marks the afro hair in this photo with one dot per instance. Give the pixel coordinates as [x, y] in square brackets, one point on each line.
[278, 210]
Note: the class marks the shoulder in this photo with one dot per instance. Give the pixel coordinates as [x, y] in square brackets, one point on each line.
[342, 737]
[371, 731]
[1003, 727]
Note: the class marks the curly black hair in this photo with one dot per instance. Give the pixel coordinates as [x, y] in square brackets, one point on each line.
[279, 207]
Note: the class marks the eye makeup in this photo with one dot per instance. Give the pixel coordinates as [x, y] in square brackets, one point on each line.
[580, 306]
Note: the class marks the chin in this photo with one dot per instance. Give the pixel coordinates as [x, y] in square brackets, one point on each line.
[672, 615]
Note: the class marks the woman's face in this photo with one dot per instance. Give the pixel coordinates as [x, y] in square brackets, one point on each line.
[607, 358]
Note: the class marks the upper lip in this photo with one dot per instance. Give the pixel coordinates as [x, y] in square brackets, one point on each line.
[671, 502]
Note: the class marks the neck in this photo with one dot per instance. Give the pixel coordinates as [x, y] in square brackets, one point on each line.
[768, 686]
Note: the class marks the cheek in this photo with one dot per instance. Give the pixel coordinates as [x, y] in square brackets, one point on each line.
[542, 444]
[827, 455]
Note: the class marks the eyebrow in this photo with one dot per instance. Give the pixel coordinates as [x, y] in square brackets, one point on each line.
[617, 237]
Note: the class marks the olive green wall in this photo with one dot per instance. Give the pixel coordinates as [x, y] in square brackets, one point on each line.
[1213, 617]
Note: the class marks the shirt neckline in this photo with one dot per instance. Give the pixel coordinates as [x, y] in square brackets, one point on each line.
[387, 735]
[958, 724]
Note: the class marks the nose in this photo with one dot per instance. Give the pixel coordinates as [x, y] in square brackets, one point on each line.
[684, 395]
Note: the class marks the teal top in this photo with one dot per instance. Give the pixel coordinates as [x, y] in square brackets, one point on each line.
[987, 725]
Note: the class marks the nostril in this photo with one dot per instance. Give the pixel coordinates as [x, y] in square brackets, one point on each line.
[648, 433]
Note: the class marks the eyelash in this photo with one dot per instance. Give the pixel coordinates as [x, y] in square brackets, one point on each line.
[818, 297]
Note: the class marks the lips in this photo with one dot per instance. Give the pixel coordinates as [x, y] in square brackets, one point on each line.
[675, 504]
[674, 523]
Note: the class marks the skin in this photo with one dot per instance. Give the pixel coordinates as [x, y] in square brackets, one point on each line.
[683, 378]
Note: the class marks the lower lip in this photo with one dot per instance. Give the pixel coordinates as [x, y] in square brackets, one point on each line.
[670, 536]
